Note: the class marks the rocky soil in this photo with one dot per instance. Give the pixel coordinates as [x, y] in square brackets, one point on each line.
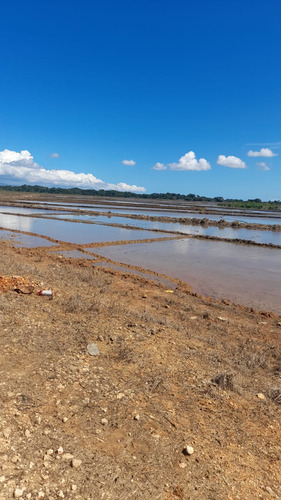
[179, 398]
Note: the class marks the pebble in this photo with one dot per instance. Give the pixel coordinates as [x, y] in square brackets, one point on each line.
[104, 421]
[93, 349]
[18, 492]
[193, 317]
[270, 491]
[188, 450]
[67, 456]
[27, 433]
[65, 419]
[60, 450]
[260, 395]
[221, 318]
[137, 417]
[182, 465]
[76, 462]
[74, 487]
[7, 432]
[120, 395]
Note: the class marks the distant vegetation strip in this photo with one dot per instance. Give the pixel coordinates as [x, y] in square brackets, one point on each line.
[254, 204]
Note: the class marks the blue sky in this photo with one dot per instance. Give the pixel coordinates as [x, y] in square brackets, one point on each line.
[87, 85]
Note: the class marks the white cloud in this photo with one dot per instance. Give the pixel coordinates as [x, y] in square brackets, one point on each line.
[230, 161]
[159, 166]
[54, 155]
[129, 163]
[20, 167]
[263, 166]
[189, 162]
[266, 152]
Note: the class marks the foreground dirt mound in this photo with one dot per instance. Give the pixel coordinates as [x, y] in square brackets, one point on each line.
[181, 398]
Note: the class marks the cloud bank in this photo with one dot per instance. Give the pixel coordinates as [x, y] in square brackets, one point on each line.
[231, 161]
[129, 163]
[189, 162]
[266, 152]
[19, 167]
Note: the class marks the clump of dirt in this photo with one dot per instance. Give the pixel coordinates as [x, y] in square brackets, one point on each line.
[114, 424]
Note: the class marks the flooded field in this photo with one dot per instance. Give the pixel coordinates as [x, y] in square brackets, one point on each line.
[257, 236]
[72, 232]
[246, 275]
[25, 240]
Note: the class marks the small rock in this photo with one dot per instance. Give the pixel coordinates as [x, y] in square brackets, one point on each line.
[7, 432]
[76, 462]
[60, 450]
[144, 296]
[193, 317]
[221, 318]
[18, 492]
[137, 417]
[183, 465]
[188, 450]
[120, 395]
[15, 459]
[64, 419]
[270, 491]
[27, 433]
[2, 479]
[60, 494]
[104, 421]
[279, 323]
[67, 456]
[93, 349]
[74, 487]
[260, 395]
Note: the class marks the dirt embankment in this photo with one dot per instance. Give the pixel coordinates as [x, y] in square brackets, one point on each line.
[173, 370]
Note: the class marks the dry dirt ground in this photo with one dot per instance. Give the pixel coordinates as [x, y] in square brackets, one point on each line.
[173, 370]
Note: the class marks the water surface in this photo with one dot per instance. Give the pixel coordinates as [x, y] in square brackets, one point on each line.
[246, 275]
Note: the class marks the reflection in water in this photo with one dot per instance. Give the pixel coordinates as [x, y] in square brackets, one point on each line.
[259, 236]
[25, 240]
[72, 232]
[246, 275]
[16, 222]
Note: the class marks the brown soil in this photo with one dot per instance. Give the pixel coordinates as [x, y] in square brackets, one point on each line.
[173, 369]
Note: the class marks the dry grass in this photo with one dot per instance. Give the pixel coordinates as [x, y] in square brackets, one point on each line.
[227, 381]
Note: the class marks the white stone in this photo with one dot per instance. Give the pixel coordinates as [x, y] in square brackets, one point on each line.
[189, 450]
[104, 421]
[18, 492]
